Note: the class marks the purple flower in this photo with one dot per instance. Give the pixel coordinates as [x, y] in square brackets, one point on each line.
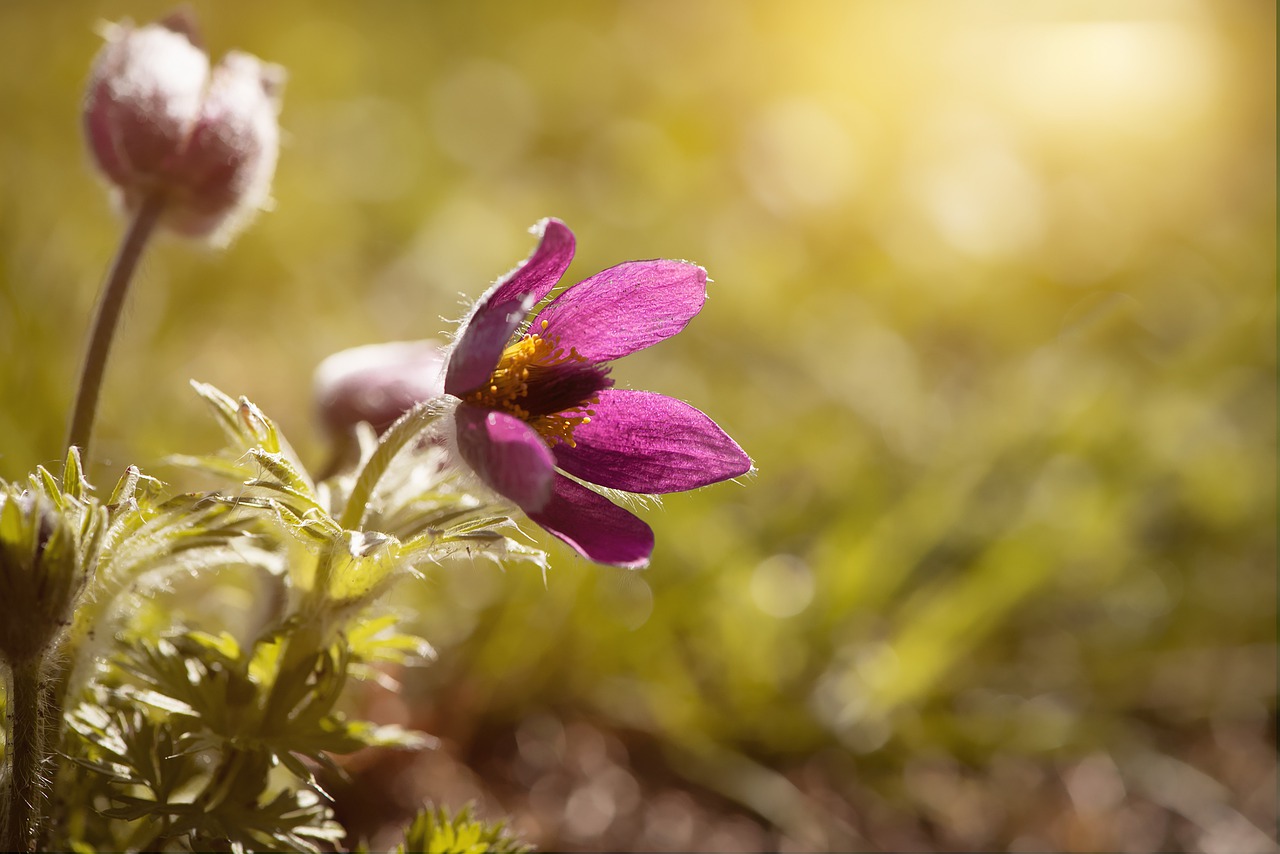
[537, 403]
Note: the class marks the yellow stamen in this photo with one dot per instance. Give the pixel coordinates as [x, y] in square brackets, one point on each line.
[532, 358]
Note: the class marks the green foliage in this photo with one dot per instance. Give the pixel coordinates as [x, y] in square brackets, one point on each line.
[186, 753]
[182, 733]
[436, 831]
[49, 544]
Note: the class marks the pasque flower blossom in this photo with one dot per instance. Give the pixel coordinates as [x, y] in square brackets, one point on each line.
[539, 416]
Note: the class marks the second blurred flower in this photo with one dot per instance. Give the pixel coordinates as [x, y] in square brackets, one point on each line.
[166, 129]
[377, 383]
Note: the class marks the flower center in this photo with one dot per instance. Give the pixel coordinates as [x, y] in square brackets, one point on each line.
[540, 383]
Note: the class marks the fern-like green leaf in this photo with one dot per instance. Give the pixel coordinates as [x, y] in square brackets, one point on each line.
[436, 831]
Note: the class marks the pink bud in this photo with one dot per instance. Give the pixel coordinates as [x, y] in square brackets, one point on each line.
[377, 383]
[159, 123]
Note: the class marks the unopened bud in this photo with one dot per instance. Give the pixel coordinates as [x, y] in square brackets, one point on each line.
[377, 383]
[161, 125]
[40, 574]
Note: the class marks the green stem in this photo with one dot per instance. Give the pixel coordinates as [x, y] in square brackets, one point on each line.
[223, 782]
[51, 674]
[397, 436]
[106, 319]
[151, 835]
[25, 754]
[297, 662]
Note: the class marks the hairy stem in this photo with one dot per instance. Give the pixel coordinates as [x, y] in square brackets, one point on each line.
[393, 441]
[106, 318]
[25, 754]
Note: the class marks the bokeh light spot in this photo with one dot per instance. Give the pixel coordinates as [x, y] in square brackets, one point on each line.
[797, 156]
[782, 586]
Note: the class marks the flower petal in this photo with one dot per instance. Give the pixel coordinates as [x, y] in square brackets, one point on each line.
[484, 337]
[225, 168]
[638, 441]
[143, 99]
[499, 312]
[595, 527]
[626, 308]
[538, 274]
[507, 454]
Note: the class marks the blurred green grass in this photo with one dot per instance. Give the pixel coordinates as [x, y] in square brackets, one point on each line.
[993, 310]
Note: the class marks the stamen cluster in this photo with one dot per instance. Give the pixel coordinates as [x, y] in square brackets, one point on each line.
[549, 388]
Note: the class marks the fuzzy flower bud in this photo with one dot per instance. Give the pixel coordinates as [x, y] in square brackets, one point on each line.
[40, 574]
[377, 383]
[160, 123]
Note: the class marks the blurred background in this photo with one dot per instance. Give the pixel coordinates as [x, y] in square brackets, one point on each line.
[993, 310]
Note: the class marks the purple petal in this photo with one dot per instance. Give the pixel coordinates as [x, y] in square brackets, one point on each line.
[639, 441]
[225, 169]
[144, 97]
[507, 454]
[499, 312]
[627, 307]
[476, 354]
[595, 527]
[538, 274]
